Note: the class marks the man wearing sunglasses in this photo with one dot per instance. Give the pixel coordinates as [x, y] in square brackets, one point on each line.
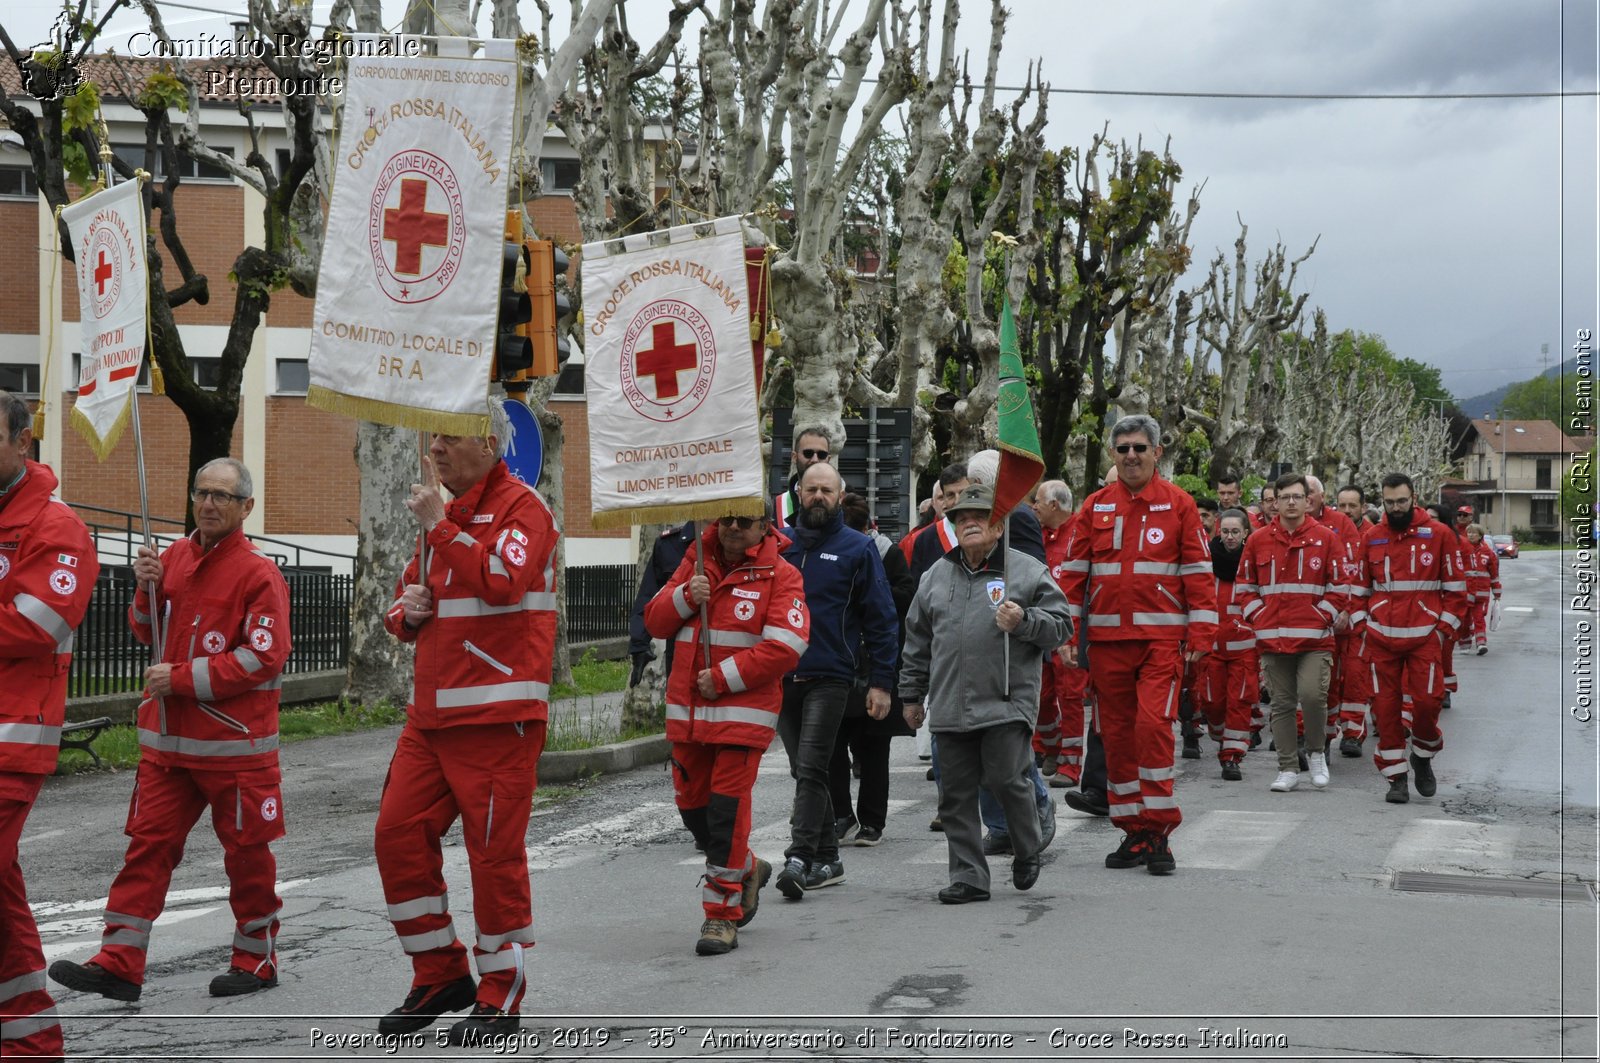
[811, 445]
[208, 739]
[1140, 580]
[749, 606]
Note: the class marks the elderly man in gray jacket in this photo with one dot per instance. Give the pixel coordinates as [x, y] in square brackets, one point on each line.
[968, 605]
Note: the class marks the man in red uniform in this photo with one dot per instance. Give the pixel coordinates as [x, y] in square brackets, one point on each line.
[208, 738]
[1352, 690]
[721, 717]
[47, 573]
[480, 605]
[1154, 607]
[1346, 651]
[1228, 684]
[1292, 591]
[1416, 598]
[1058, 739]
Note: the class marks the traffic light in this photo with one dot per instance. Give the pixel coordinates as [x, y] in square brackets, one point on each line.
[550, 307]
[513, 351]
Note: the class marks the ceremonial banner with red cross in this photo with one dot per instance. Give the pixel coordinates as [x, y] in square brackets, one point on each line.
[408, 291]
[107, 234]
[673, 423]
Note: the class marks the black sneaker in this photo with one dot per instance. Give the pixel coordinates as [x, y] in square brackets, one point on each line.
[1083, 801]
[483, 1026]
[1255, 739]
[792, 879]
[824, 873]
[868, 836]
[93, 978]
[1133, 851]
[1422, 768]
[1231, 772]
[1191, 747]
[1399, 790]
[996, 844]
[842, 827]
[1349, 747]
[238, 981]
[425, 1003]
[1445, 704]
[1159, 859]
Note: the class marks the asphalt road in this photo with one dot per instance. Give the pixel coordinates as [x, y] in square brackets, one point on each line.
[1282, 921]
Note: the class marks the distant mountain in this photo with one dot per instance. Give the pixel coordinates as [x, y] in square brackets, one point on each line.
[1484, 405]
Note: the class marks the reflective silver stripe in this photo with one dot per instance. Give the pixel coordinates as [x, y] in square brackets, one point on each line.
[30, 734]
[1125, 810]
[1196, 568]
[1400, 632]
[677, 712]
[1292, 588]
[1106, 568]
[462, 697]
[1235, 647]
[24, 983]
[263, 923]
[254, 946]
[17, 1029]
[1392, 754]
[1406, 585]
[1120, 788]
[1074, 611]
[1292, 633]
[1156, 774]
[1358, 616]
[1107, 620]
[1454, 585]
[1230, 733]
[1251, 608]
[50, 622]
[496, 942]
[1157, 568]
[120, 919]
[736, 714]
[194, 747]
[1076, 566]
[789, 638]
[497, 567]
[1202, 616]
[1358, 591]
[275, 683]
[730, 675]
[1116, 534]
[1329, 608]
[132, 938]
[464, 539]
[420, 906]
[1234, 610]
[200, 671]
[505, 960]
[138, 617]
[248, 660]
[1245, 588]
[1157, 801]
[737, 639]
[680, 602]
[533, 601]
[444, 937]
[1452, 619]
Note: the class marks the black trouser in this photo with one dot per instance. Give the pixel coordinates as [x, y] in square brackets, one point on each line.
[1094, 765]
[808, 726]
[871, 751]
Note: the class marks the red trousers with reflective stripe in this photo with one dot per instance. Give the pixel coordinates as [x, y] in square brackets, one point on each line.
[1475, 631]
[1350, 691]
[28, 1026]
[247, 815]
[1227, 689]
[1448, 653]
[485, 774]
[1136, 686]
[1061, 716]
[1416, 673]
[702, 772]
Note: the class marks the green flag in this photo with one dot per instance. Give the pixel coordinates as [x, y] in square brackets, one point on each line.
[1021, 464]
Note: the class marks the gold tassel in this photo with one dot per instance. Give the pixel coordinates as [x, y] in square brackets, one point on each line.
[774, 338]
[396, 414]
[755, 328]
[38, 421]
[674, 513]
[158, 383]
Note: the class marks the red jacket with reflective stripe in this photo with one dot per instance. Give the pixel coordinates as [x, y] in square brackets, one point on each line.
[1483, 570]
[225, 615]
[760, 627]
[485, 656]
[1414, 580]
[47, 573]
[1235, 639]
[1291, 586]
[1144, 565]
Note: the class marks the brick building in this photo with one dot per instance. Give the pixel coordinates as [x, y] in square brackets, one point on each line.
[307, 483]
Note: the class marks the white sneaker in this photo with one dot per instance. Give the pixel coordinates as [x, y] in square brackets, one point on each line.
[1286, 781]
[1319, 769]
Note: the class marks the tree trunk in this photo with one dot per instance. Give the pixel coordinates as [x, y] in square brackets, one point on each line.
[380, 664]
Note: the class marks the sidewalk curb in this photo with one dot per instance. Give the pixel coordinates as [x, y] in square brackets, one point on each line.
[566, 765]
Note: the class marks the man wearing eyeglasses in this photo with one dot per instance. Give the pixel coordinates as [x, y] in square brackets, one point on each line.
[722, 704]
[811, 445]
[47, 574]
[1141, 582]
[208, 738]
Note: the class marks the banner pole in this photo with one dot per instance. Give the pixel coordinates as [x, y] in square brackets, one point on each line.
[705, 615]
[1005, 546]
[425, 470]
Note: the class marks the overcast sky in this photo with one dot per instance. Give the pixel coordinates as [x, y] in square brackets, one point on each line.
[1462, 231]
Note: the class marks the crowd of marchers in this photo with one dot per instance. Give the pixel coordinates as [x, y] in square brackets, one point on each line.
[1056, 645]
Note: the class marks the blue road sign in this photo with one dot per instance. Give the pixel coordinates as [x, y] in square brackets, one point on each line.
[524, 451]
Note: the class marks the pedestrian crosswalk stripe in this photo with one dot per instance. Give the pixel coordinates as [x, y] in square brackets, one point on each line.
[1233, 841]
[939, 852]
[607, 830]
[1431, 844]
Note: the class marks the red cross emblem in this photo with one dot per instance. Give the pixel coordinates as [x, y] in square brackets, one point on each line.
[664, 340]
[417, 226]
[102, 273]
[104, 265]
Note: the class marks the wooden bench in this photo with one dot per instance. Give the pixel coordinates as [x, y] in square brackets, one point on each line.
[80, 735]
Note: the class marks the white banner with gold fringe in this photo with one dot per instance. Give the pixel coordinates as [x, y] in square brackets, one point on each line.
[108, 241]
[673, 420]
[407, 294]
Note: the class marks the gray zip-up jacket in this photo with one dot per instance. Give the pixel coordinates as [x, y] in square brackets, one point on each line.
[953, 659]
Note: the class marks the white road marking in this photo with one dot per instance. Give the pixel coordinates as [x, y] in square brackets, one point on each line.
[1518, 609]
[1234, 841]
[174, 898]
[1426, 844]
[83, 935]
[608, 829]
[939, 852]
[41, 836]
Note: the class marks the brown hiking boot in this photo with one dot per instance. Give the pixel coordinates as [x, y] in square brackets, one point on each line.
[760, 872]
[716, 937]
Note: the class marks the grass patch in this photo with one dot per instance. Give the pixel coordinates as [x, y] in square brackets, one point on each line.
[591, 676]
